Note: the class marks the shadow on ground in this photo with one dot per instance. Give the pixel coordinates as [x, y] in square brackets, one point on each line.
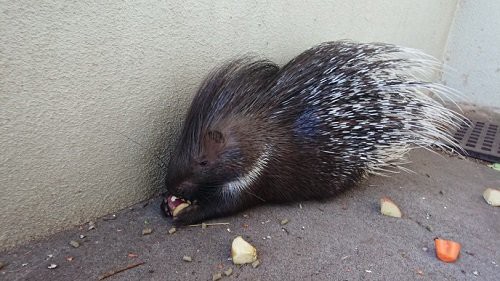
[345, 238]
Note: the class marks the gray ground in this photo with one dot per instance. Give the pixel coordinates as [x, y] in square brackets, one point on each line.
[345, 238]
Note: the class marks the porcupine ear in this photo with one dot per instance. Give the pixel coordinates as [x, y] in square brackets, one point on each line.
[214, 143]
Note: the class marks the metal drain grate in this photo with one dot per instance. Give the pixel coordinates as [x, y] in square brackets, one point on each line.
[480, 139]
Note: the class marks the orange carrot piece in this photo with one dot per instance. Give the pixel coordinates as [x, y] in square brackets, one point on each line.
[447, 250]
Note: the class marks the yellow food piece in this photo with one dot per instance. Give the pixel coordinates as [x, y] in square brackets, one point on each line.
[492, 196]
[389, 208]
[242, 252]
[179, 208]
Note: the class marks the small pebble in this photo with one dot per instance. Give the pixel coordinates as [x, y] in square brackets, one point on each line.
[429, 228]
[52, 266]
[475, 272]
[228, 272]
[283, 222]
[255, 264]
[82, 236]
[112, 217]
[216, 276]
[172, 230]
[300, 206]
[368, 271]
[74, 244]
[268, 237]
[228, 230]
[70, 258]
[187, 258]
[147, 231]
[303, 227]
[24, 264]
[203, 225]
[91, 225]
[425, 249]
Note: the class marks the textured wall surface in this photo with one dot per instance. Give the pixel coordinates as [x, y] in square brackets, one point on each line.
[91, 93]
[473, 53]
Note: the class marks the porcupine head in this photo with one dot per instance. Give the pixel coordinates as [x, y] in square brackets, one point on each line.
[335, 113]
[218, 142]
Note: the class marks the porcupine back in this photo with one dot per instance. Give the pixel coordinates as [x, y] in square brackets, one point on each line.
[332, 115]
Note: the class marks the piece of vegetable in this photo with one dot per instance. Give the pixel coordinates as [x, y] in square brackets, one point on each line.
[242, 252]
[447, 250]
[147, 231]
[216, 276]
[389, 208]
[492, 196]
[176, 205]
[228, 272]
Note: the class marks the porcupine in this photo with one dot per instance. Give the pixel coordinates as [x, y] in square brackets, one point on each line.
[336, 113]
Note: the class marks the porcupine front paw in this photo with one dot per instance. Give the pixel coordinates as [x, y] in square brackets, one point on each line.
[192, 214]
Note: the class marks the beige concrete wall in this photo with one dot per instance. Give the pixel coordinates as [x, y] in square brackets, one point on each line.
[81, 79]
[473, 53]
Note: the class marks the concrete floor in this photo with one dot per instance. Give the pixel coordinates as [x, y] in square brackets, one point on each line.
[345, 238]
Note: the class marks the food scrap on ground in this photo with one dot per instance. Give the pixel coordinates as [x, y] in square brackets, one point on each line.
[495, 166]
[242, 252]
[492, 196]
[255, 264]
[228, 272]
[389, 208]
[74, 244]
[116, 271]
[447, 250]
[187, 258]
[216, 276]
[147, 231]
[172, 230]
[284, 221]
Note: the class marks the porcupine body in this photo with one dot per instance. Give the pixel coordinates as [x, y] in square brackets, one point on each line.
[337, 112]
